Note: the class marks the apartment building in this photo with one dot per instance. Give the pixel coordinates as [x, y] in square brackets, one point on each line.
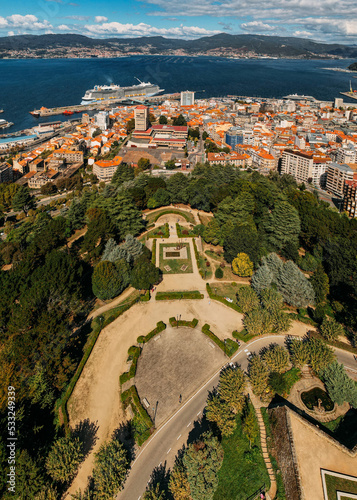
[337, 175]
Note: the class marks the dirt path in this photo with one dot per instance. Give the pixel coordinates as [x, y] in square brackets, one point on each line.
[113, 303]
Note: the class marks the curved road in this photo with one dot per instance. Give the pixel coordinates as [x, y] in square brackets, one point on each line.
[162, 447]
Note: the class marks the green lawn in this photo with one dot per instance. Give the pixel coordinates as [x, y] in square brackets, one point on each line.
[175, 264]
[238, 477]
[180, 234]
[226, 290]
[159, 232]
[334, 484]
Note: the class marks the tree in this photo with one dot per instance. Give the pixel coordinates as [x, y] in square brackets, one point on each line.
[299, 352]
[64, 458]
[247, 299]
[122, 174]
[242, 265]
[145, 274]
[249, 426]
[107, 282]
[330, 329]
[48, 188]
[110, 469]
[39, 388]
[144, 164]
[218, 411]
[258, 373]
[320, 354]
[282, 225]
[243, 238]
[320, 283]
[178, 483]
[154, 493]
[271, 300]
[232, 387]
[130, 125]
[258, 322]
[294, 287]
[29, 480]
[275, 264]
[212, 232]
[339, 385]
[202, 460]
[163, 120]
[132, 246]
[179, 121]
[23, 200]
[218, 273]
[262, 278]
[276, 358]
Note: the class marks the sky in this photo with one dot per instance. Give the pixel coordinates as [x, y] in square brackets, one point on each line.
[322, 20]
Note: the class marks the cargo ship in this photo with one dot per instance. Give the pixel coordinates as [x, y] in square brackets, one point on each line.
[106, 92]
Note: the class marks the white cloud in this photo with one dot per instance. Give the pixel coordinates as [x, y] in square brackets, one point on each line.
[100, 19]
[258, 27]
[143, 29]
[28, 22]
[10, 33]
[63, 27]
[3, 22]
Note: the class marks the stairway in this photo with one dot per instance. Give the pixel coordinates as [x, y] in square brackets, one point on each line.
[263, 441]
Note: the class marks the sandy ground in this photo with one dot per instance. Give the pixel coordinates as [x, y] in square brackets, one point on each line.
[316, 452]
[97, 394]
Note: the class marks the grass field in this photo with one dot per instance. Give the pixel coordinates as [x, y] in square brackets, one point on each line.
[240, 477]
[175, 264]
[226, 290]
[159, 232]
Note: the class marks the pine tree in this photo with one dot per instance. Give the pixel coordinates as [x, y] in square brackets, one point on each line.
[320, 354]
[132, 246]
[110, 470]
[299, 352]
[232, 387]
[178, 483]
[218, 411]
[250, 427]
[282, 225]
[276, 358]
[202, 460]
[275, 264]
[330, 329]
[107, 282]
[262, 278]
[320, 283]
[294, 287]
[339, 386]
[272, 300]
[258, 322]
[64, 458]
[258, 373]
[247, 299]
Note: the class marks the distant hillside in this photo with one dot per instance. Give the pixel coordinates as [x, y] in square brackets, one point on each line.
[269, 45]
[353, 66]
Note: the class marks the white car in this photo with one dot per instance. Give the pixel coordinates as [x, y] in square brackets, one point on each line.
[228, 299]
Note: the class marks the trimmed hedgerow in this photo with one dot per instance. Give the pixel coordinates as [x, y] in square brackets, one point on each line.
[134, 353]
[190, 324]
[195, 294]
[160, 326]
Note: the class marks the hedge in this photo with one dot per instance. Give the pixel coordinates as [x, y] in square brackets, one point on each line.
[180, 234]
[231, 347]
[146, 296]
[190, 324]
[179, 295]
[213, 296]
[206, 330]
[196, 253]
[130, 396]
[61, 404]
[160, 327]
[243, 335]
[186, 216]
[134, 352]
[153, 253]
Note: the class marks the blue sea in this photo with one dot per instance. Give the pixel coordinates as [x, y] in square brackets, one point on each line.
[28, 84]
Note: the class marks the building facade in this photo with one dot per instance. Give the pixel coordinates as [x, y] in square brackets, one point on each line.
[337, 175]
[141, 115]
[187, 98]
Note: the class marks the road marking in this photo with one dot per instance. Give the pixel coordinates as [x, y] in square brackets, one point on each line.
[179, 437]
[199, 413]
[168, 451]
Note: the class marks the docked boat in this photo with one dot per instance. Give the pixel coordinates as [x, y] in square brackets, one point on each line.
[297, 97]
[68, 112]
[106, 92]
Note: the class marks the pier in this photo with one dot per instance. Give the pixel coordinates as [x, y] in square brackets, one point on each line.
[101, 105]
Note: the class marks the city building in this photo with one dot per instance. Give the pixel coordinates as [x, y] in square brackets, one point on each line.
[350, 198]
[141, 115]
[297, 164]
[337, 175]
[102, 120]
[105, 169]
[187, 98]
[234, 136]
[6, 173]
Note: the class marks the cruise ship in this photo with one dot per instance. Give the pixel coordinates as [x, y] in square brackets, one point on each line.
[297, 97]
[106, 92]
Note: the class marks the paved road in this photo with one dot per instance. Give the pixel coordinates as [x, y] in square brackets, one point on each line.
[161, 449]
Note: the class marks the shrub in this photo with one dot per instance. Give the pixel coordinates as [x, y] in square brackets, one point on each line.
[242, 265]
[218, 273]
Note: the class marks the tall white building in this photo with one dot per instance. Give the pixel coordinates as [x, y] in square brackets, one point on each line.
[187, 98]
[304, 167]
[102, 120]
[337, 175]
